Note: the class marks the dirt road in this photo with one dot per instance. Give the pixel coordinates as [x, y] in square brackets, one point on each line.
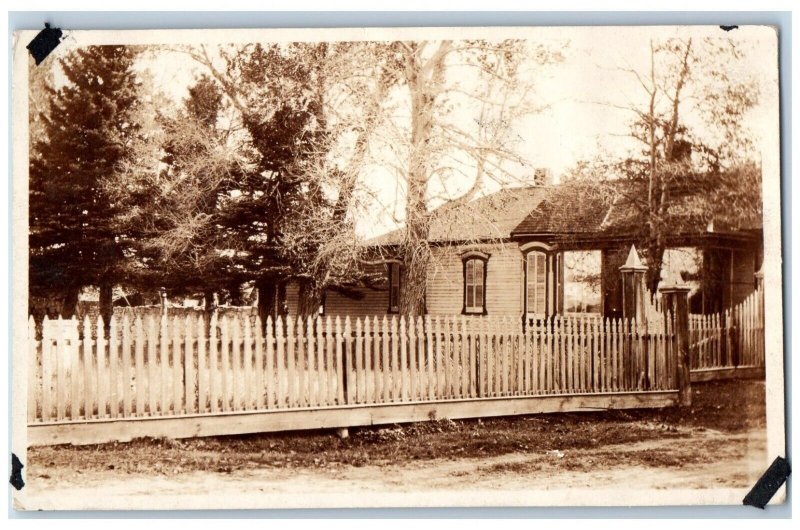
[718, 442]
[734, 461]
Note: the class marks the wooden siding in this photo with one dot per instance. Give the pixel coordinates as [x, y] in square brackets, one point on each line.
[742, 274]
[375, 302]
[445, 294]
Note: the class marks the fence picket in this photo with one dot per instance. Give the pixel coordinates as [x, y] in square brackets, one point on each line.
[324, 373]
[428, 329]
[412, 359]
[520, 353]
[225, 365]
[102, 388]
[312, 372]
[113, 375]
[164, 359]
[202, 366]
[505, 358]
[152, 365]
[385, 359]
[347, 359]
[33, 369]
[291, 382]
[332, 379]
[281, 361]
[301, 365]
[190, 336]
[214, 363]
[360, 390]
[338, 363]
[403, 365]
[88, 370]
[269, 368]
[368, 364]
[490, 360]
[236, 360]
[177, 371]
[74, 374]
[126, 367]
[139, 362]
[393, 359]
[249, 367]
[370, 382]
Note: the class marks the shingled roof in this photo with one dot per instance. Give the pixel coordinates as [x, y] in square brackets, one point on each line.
[486, 218]
[568, 209]
[610, 209]
[686, 211]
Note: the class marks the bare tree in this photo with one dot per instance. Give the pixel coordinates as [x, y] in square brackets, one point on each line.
[451, 113]
[688, 77]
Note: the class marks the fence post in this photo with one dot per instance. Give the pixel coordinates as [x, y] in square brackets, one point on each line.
[633, 297]
[633, 288]
[675, 298]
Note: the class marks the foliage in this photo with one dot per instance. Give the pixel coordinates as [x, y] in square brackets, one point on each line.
[172, 192]
[87, 133]
[694, 161]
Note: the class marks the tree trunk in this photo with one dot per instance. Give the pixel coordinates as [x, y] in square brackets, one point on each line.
[308, 300]
[106, 302]
[655, 260]
[209, 307]
[424, 82]
[70, 302]
[235, 294]
[271, 298]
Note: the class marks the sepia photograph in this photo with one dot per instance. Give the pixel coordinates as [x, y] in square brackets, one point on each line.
[396, 267]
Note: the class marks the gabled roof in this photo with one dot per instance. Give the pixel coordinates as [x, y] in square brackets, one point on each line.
[583, 209]
[685, 212]
[616, 209]
[567, 209]
[486, 218]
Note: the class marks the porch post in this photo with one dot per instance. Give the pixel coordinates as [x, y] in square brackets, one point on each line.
[675, 298]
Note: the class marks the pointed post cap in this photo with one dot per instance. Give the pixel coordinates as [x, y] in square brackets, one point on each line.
[633, 263]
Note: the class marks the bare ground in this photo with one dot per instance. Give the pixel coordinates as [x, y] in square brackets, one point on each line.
[719, 442]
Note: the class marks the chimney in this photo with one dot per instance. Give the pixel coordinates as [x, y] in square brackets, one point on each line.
[542, 176]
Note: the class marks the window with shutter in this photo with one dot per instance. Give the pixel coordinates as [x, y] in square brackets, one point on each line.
[394, 287]
[536, 289]
[474, 286]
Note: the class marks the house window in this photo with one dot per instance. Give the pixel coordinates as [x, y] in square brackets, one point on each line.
[394, 287]
[474, 285]
[536, 288]
[582, 281]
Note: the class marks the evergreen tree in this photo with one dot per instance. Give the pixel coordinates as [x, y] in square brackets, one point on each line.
[277, 93]
[171, 220]
[86, 136]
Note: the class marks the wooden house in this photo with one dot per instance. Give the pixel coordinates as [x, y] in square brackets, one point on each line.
[554, 249]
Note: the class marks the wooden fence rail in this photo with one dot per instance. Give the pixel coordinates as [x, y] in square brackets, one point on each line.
[176, 366]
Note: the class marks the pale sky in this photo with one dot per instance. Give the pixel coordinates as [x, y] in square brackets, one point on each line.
[575, 125]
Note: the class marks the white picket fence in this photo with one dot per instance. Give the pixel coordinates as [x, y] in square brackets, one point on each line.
[179, 366]
[729, 339]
